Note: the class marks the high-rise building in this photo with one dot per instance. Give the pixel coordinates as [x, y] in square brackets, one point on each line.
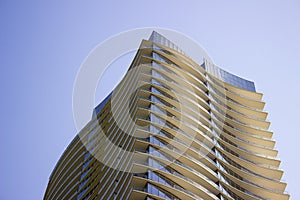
[173, 129]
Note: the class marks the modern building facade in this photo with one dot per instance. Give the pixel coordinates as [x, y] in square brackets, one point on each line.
[173, 129]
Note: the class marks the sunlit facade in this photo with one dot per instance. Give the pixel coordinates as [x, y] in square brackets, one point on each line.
[173, 129]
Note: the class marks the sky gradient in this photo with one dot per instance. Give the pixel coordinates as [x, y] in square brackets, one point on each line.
[42, 45]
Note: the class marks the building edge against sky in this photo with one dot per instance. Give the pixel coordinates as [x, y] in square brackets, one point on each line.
[172, 129]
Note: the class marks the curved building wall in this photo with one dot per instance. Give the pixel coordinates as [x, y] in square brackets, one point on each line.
[198, 133]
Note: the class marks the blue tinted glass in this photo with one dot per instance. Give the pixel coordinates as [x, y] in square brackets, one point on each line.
[237, 81]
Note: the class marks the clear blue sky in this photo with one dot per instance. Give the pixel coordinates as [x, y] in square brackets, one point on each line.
[42, 45]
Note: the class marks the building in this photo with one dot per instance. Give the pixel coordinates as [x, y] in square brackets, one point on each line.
[173, 129]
